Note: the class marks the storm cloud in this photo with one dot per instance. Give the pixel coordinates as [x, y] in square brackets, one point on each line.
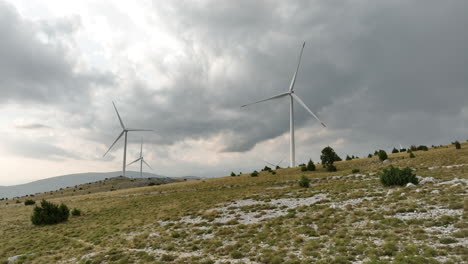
[378, 73]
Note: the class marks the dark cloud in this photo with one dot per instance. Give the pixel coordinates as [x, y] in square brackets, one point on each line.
[386, 70]
[37, 64]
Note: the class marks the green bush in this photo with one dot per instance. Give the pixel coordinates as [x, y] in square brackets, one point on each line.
[303, 168]
[369, 156]
[254, 174]
[348, 157]
[382, 155]
[394, 150]
[49, 213]
[29, 202]
[76, 212]
[411, 155]
[328, 157]
[457, 145]
[310, 165]
[395, 176]
[304, 182]
[422, 147]
[266, 168]
[355, 171]
[233, 174]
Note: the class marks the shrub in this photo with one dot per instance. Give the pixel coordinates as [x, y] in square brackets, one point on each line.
[403, 150]
[304, 182]
[49, 213]
[266, 168]
[254, 174]
[29, 202]
[76, 212]
[303, 168]
[278, 167]
[355, 171]
[310, 165]
[273, 172]
[395, 176]
[382, 155]
[413, 148]
[394, 150]
[348, 157]
[369, 156]
[422, 147]
[233, 174]
[411, 155]
[457, 145]
[151, 184]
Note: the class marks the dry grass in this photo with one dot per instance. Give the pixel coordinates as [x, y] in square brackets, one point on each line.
[358, 221]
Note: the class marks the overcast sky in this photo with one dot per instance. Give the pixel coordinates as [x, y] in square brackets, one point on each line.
[379, 73]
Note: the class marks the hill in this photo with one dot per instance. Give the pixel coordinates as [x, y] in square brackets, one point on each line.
[55, 183]
[342, 217]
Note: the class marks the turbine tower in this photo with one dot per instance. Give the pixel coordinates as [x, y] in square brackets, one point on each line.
[125, 130]
[292, 97]
[141, 159]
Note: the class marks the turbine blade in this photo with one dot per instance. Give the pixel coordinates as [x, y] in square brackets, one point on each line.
[133, 161]
[279, 162]
[268, 162]
[293, 81]
[138, 129]
[147, 164]
[121, 134]
[307, 108]
[120, 119]
[271, 98]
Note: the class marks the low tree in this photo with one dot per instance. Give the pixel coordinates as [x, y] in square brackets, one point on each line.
[310, 165]
[348, 157]
[411, 155]
[29, 202]
[382, 155]
[328, 157]
[457, 145]
[394, 150]
[369, 156]
[233, 174]
[254, 174]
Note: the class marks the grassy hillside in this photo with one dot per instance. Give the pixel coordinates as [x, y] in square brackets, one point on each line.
[340, 218]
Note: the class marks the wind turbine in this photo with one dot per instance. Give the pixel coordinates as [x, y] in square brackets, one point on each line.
[292, 97]
[141, 159]
[125, 130]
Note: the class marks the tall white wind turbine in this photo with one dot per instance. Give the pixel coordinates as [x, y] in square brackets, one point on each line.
[141, 159]
[125, 130]
[292, 97]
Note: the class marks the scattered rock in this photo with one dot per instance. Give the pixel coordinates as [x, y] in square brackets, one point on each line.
[426, 180]
[14, 258]
[386, 161]
[435, 192]
[410, 185]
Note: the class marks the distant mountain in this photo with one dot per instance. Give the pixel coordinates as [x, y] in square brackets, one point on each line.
[55, 183]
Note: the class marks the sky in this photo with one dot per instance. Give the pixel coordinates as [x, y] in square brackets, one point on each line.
[378, 73]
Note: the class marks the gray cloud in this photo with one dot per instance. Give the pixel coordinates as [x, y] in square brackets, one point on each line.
[32, 126]
[406, 61]
[37, 65]
[378, 73]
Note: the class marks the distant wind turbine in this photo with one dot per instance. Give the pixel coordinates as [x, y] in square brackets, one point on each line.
[124, 131]
[274, 165]
[292, 97]
[141, 159]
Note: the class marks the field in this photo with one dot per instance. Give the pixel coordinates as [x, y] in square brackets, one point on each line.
[342, 217]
